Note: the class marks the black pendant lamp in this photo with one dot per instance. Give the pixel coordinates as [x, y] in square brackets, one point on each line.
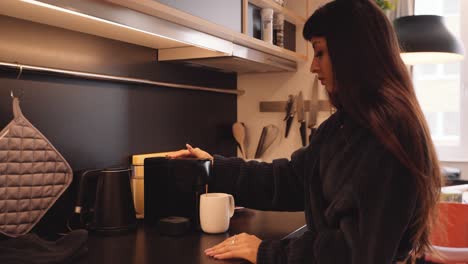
[425, 39]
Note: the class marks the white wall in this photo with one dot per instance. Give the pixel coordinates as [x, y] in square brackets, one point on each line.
[275, 87]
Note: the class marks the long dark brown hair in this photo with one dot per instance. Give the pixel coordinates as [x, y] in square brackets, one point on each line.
[374, 87]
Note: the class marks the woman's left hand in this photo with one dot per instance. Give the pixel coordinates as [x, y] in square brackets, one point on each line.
[242, 246]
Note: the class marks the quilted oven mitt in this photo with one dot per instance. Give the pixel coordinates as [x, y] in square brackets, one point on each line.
[33, 175]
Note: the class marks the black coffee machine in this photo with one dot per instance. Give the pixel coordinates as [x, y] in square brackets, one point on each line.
[173, 188]
[104, 201]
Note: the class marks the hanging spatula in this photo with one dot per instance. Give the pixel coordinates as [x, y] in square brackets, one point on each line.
[268, 136]
[238, 131]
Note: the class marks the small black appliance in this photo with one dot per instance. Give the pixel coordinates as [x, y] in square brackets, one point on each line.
[173, 188]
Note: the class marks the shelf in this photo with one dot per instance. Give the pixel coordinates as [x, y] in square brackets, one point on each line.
[156, 9]
[45, 14]
[288, 14]
[112, 22]
[258, 44]
[151, 24]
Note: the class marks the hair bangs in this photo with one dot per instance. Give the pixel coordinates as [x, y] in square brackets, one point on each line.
[316, 25]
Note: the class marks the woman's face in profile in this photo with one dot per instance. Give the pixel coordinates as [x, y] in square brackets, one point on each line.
[321, 64]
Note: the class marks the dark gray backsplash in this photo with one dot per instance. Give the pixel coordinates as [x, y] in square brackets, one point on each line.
[100, 124]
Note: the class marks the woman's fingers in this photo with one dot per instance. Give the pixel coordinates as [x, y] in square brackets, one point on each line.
[194, 151]
[234, 240]
[217, 247]
[223, 249]
[243, 246]
[235, 253]
[243, 250]
[179, 154]
[190, 152]
[198, 153]
[229, 241]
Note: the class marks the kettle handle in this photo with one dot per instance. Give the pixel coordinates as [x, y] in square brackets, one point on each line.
[82, 188]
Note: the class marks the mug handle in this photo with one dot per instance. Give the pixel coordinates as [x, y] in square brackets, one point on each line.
[231, 205]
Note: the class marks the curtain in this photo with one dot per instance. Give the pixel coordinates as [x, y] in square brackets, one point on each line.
[402, 8]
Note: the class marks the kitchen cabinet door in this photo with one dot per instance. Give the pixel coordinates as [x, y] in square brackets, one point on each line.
[227, 13]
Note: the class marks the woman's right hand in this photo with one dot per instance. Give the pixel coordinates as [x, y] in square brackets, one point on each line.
[190, 152]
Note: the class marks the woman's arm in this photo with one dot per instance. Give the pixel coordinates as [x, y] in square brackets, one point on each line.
[257, 185]
[261, 185]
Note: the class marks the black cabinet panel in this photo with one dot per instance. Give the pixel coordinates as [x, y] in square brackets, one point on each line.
[255, 22]
[227, 13]
[289, 36]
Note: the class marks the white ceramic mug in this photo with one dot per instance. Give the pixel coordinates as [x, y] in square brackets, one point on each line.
[216, 209]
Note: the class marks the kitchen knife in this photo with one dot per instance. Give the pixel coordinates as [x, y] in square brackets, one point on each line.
[301, 117]
[314, 107]
[290, 112]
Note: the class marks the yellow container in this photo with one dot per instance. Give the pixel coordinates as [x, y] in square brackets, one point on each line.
[138, 177]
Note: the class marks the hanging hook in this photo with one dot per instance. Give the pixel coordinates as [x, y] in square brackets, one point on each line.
[20, 67]
[20, 71]
[19, 97]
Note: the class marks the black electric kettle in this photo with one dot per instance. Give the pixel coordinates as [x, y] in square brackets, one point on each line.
[104, 201]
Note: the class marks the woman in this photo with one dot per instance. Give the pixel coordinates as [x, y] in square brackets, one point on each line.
[369, 179]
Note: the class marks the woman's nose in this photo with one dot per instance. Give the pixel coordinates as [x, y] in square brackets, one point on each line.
[314, 67]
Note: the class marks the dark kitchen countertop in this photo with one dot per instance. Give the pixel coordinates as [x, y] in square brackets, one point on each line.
[146, 245]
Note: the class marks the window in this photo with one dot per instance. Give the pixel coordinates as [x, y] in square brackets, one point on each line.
[451, 7]
[440, 87]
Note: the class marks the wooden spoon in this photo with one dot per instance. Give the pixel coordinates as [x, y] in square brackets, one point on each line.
[238, 130]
